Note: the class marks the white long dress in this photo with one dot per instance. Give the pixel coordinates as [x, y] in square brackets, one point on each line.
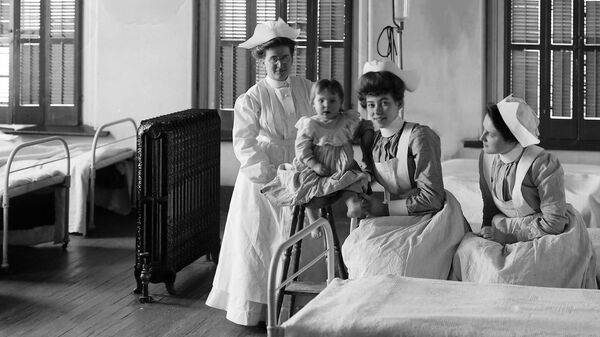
[554, 249]
[263, 138]
[415, 245]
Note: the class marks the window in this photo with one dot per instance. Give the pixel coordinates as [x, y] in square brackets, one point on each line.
[39, 62]
[552, 60]
[323, 49]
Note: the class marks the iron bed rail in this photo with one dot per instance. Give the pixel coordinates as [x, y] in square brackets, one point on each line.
[6, 194]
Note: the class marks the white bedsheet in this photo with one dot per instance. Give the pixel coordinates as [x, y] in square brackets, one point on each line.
[582, 189]
[79, 148]
[399, 306]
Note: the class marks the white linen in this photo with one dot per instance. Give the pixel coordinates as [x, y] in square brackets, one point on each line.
[400, 306]
[582, 189]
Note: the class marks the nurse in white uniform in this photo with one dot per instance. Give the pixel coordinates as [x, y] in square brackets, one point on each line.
[415, 231]
[263, 138]
[530, 235]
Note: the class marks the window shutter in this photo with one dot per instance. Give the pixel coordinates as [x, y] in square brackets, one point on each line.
[62, 52]
[5, 56]
[265, 11]
[591, 98]
[562, 22]
[233, 60]
[331, 39]
[525, 22]
[561, 98]
[29, 53]
[297, 17]
[525, 76]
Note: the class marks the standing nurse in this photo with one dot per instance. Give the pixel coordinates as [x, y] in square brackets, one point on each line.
[263, 137]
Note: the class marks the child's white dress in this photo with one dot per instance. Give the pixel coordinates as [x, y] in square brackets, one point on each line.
[329, 142]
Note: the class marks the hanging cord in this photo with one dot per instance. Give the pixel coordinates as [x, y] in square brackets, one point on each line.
[392, 49]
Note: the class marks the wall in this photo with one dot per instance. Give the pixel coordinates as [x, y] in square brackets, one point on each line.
[444, 41]
[137, 58]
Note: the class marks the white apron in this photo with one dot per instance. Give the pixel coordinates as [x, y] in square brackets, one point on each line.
[564, 260]
[415, 246]
[255, 228]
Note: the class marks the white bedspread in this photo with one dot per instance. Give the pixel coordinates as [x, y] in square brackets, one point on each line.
[582, 189]
[79, 148]
[399, 306]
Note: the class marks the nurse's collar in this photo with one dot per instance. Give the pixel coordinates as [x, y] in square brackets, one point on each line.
[393, 128]
[278, 84]
[512, 155]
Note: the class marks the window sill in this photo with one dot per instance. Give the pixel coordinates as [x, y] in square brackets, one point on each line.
[548, 145]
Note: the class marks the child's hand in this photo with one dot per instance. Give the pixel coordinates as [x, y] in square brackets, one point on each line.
[486, 232]
[321, 169]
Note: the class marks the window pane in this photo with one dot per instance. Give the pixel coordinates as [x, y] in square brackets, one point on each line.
[300, 62]
[331, 63]
[232, 16]
[592, 89]
[265, 10]
[233, 74]
[525, 76]
[62, 19]
[62, 74]
[30, 74]
[592, 22]
[562, 22]
[297, 16]
[331, 20]
[30, 19]
[4, 73]
[561, 88]
[525, 22]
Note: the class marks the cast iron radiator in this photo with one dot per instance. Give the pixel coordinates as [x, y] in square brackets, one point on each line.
[178, 195]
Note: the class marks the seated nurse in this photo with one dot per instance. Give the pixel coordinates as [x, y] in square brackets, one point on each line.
[530, 235]
[415, 231]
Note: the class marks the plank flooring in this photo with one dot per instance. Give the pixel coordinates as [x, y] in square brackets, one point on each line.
[87, 291]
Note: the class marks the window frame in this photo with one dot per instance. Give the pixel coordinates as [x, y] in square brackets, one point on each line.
[311, 45]
[568, 134]
[45, 113]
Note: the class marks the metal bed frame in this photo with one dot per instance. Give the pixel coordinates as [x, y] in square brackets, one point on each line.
[94, 165]
[60, 180]
[275, 287]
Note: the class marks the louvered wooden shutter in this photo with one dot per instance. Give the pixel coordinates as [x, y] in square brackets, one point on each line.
[561, 71]
[297, 17]
[592, 61]
[62, 63]
[233, 60]
[525, 66]
[265, 11]
[29, 49]
[5, 60]
[331, 40]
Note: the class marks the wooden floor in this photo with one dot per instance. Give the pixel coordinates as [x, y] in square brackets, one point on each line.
[87, 291]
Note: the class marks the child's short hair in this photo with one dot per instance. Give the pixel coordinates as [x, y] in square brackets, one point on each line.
[332, 86]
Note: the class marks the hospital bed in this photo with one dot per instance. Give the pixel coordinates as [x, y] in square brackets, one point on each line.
[21, 177]
[582, 189]
[88, 156]
[389, 305]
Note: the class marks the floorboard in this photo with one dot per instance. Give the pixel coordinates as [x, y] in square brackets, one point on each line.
[87, 291]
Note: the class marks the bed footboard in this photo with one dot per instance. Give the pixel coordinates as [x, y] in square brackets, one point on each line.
[7, 193]
[273, 330]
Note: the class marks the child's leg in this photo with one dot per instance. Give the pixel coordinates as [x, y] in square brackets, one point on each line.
[353, 203]
[313, 215]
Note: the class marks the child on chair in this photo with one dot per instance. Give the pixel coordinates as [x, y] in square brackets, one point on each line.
[324, 162]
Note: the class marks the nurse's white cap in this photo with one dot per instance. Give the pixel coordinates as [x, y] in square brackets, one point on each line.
[520, 119]
[269, 30]
[410, 78]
